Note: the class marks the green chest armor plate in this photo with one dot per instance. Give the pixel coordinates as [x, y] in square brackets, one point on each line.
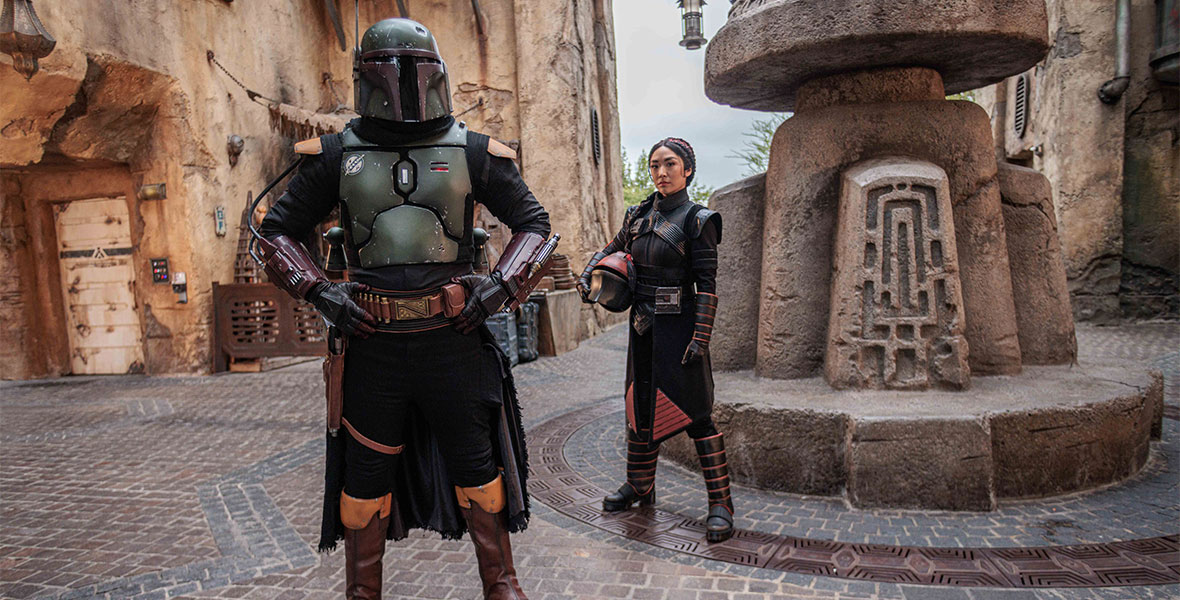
[409, 204]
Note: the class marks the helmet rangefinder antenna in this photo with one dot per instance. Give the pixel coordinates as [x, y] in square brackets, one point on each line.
[356, 34]
[356, 55]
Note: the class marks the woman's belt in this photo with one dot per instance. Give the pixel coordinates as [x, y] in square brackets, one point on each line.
[668, 300]
[417, 310]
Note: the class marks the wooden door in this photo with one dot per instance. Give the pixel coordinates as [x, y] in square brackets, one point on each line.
[98, 283]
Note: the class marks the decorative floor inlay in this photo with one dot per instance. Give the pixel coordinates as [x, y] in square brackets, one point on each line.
[1148, 561]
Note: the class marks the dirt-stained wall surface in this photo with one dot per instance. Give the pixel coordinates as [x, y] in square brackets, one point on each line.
[1114, 168]
[129, 97]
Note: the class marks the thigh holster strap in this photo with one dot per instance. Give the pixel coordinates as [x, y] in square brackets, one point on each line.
[355, 513]
[370, 444]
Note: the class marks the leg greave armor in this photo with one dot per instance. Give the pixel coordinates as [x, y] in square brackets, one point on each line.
[715, 466]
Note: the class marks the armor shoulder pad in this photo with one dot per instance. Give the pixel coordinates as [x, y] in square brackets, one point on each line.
[349, 139]
[500, 150]
[703, 216]
[312, 146]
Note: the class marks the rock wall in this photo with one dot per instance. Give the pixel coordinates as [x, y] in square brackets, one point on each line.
[559, 85]
[111, 97]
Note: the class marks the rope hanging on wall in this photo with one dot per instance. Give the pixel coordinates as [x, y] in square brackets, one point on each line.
[290, 121]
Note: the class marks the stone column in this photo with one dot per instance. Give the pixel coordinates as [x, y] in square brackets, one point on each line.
[850, 70]
[841, 120]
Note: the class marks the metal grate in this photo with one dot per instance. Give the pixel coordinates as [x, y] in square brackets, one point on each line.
[253, 320]
[597, 138]
[1020, 108]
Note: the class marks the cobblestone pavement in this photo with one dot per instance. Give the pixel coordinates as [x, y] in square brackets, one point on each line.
[116, 487]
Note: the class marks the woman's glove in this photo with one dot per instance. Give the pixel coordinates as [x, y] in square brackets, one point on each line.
[334, 301]
[584, 280]
[703, 332]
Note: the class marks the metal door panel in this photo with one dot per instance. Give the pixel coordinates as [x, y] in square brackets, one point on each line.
[98, 284]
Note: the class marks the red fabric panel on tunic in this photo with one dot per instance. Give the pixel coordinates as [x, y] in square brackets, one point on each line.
[668, 418]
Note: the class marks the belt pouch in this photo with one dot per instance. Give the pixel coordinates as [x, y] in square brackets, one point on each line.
[454, 298]
[667, 301]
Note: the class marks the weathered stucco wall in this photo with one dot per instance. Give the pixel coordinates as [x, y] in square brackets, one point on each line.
[110, 96]
[1151, 182]
[1075, 130]
[1114, 168]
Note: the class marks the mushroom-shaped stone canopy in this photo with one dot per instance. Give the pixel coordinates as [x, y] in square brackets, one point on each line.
[768, 48]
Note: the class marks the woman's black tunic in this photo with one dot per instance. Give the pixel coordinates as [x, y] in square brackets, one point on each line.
[673, 244]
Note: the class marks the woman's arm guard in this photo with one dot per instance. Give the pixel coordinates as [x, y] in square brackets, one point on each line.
[290, 267]
[702, 333]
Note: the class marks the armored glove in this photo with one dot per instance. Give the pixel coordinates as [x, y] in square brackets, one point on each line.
[486, 295]
[584, 280]
[705, 315]
[334, 301]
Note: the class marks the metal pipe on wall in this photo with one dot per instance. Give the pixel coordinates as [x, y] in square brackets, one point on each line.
[1113, 89]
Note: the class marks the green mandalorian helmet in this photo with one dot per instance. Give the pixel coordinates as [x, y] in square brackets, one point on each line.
[399, 75]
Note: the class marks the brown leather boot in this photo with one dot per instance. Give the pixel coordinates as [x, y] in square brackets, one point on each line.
[487, 523]
[365, 523]
[715, 466]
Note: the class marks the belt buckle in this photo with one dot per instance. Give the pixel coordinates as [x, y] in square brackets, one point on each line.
[410, 308]
[668, 300]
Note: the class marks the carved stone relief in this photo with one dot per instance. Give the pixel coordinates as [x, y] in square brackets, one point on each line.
[896, 319]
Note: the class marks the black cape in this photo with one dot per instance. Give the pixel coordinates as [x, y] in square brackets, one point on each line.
[423, 497]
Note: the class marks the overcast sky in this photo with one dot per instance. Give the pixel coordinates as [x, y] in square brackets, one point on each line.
[662, 89]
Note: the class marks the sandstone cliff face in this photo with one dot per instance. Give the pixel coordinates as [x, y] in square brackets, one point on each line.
[128, 96]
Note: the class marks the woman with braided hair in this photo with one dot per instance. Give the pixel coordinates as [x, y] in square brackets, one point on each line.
[672, 243]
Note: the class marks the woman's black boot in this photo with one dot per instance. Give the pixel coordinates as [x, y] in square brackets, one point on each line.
[711, 451]
[641, 477]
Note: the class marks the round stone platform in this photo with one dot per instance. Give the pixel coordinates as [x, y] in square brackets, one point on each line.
[1047, 431]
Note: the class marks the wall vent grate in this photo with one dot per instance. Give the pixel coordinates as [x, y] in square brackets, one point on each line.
[597, 137]
[1020, 108]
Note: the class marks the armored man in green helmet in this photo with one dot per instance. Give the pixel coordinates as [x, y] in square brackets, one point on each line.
[431, 435]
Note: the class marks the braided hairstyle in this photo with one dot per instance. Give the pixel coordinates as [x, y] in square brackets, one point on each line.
[682, 149]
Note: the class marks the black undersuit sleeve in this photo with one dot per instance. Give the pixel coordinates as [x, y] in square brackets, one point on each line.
[703, 259]
[496, 183]
[311, 194]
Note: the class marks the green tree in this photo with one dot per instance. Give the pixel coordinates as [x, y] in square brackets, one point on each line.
[755, 150]
[637, 184]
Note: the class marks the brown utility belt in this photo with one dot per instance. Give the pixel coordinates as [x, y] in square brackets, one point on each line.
[413, 311]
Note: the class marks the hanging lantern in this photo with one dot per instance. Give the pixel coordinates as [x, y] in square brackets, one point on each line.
[23, 37]
[691, 15]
